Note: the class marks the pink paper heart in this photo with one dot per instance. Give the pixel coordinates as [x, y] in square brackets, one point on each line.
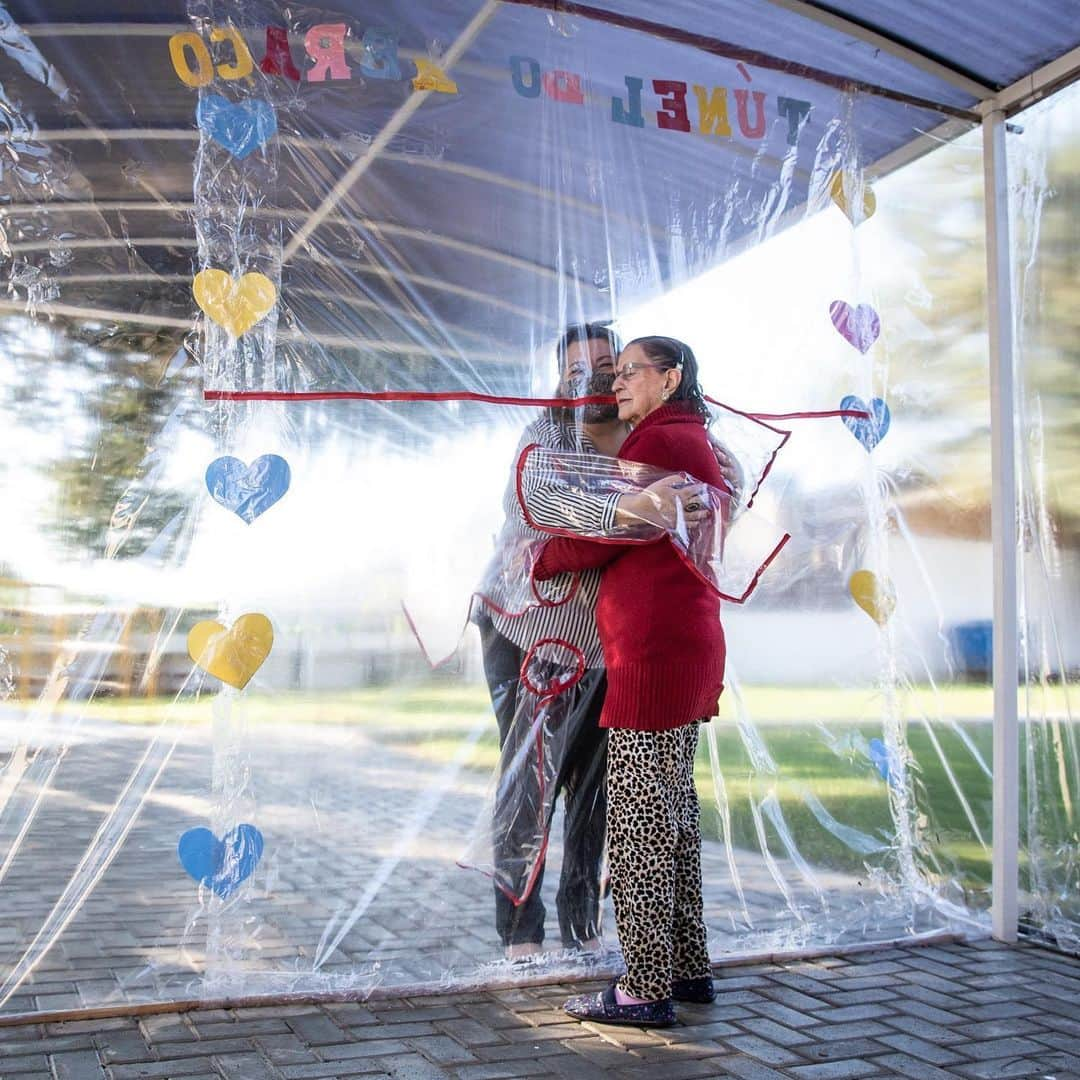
[858, 326]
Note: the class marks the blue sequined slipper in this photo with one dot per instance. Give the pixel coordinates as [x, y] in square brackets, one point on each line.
[602, 1008]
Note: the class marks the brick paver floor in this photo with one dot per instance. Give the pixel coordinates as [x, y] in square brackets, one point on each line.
[977, 1010]
[358, 886]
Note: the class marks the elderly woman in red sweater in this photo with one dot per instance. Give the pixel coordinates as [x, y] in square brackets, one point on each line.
[663, 644]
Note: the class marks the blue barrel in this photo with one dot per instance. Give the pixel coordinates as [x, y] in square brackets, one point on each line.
[973, 647]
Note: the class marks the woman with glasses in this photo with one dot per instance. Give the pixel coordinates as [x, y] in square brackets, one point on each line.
[663, 646]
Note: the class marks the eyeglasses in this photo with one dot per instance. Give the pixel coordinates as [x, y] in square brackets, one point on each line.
[629, 370]
[580, 370]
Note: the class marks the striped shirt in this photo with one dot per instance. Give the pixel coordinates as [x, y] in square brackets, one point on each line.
[554, 504]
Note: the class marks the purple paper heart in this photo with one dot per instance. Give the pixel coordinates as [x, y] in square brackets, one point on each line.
[858, 326]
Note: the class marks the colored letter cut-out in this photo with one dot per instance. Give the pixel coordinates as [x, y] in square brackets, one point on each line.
[563, 86]
[629, 111]
[796, 113]
[278, 58]
[750, 129]
[238, 304]
[248, 490]
[325, 44]
[221, 865]
[429, 76]
[525, 75]
[380, 55]
[244, 65]
[672, 113]
[231, 654]
[870, 429]
[241, 127]
[712, 110]
[185, 47]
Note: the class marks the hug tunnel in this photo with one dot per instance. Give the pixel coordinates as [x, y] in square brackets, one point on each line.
[283, 290]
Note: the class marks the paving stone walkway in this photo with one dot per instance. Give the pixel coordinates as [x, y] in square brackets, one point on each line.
[974, 1010]
[358, 886]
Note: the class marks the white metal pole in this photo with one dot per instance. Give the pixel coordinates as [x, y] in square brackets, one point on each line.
[1004, 531]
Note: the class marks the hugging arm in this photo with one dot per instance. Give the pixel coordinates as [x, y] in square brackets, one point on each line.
[730, 469]
[563, 494]
[561, 554]
[550, 501]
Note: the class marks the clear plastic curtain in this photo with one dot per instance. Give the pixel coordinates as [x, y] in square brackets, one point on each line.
[284, 291]
[1042, 154]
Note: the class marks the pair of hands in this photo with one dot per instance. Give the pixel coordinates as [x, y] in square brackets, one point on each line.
[672, 503]
[672, 500]
[675, 501]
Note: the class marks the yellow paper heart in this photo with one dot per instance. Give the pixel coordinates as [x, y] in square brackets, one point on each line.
[231, 654]
[875, 597]
[235, 304]
[840, 197]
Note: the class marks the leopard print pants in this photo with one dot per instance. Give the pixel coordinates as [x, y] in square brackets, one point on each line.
[654, 853]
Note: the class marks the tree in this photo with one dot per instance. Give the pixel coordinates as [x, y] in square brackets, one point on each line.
[100, 394]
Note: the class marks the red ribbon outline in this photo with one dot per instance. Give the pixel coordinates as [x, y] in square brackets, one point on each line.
[490, 399]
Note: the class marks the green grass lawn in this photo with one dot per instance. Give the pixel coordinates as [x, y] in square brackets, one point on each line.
[816, 737]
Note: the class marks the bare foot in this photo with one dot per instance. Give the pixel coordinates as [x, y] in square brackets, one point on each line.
[524, 948]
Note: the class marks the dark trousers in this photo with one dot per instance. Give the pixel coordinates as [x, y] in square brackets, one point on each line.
[578, 746]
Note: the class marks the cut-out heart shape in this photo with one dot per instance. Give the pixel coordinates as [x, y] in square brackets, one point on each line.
[234, 304]
[871, 429]
[858, 326]
[879, 755]
[248, 490]
[241, 127]
[231, 654]
[844, 190]
[222, 864]
[874, 596]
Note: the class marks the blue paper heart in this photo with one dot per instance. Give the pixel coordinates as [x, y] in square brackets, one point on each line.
[248, 490]
[879, 755]
[868, 430]
[241, 127]
[221, 864]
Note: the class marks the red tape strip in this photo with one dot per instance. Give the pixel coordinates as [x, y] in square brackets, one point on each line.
[488, 399]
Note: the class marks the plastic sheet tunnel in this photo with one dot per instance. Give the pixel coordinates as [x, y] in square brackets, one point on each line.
[287, 386]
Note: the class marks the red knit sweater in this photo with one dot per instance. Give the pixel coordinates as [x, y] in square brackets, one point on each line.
[659, 622]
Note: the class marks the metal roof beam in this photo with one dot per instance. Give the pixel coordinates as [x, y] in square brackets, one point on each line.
[389, 228]
[360, 267]
[1011, 100]
[1041, 83]
[932, 65]
[138, 318]
[349, 300]
[420, 161]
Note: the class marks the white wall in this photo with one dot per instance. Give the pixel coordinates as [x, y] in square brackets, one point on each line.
[939, 583]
